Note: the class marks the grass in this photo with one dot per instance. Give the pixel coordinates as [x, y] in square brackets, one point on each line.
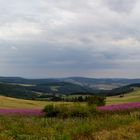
[108, 127]
[8, 102]
[116, 126]
[131, 97]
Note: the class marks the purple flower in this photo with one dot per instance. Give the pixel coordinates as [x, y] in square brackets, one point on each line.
[120, 107]
[22, 112]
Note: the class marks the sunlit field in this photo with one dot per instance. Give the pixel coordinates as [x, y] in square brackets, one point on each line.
[7, 102]
[131, 97]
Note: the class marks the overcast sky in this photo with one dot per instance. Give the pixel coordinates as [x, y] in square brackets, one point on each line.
[60, 38]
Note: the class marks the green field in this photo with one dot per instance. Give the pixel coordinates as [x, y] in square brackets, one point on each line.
[108, 127]
[131, 97]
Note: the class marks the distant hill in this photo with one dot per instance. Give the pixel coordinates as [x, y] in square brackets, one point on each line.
[122, 90]
[19, 80]
[36, 88]
[94, 83]
[36, 91]
[103, 83]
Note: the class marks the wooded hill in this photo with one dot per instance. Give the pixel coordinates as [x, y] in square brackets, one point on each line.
[44, 88]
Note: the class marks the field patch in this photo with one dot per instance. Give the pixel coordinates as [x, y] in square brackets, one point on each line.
[130, 97]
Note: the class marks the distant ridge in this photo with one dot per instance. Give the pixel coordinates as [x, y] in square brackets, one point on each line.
[82, 80]
[19, 87]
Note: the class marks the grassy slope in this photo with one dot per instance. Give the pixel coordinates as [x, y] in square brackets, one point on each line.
[131, 97]
[7, 102]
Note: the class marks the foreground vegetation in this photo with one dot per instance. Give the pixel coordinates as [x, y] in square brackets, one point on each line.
[73, 122]
[106, 127]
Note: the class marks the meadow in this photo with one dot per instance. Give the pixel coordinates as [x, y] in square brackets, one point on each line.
[106, 127]
[28, 123]
[8, 102]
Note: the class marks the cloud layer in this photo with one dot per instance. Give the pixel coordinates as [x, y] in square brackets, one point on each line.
[59, 38]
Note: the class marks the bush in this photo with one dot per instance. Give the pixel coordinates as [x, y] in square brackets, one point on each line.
[79, 111]
[51, 111]
[66, 111]
[96, 100]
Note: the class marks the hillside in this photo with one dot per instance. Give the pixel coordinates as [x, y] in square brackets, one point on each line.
[42, 89]
[8, 102]
[37, 91]
[101, 83]
[94, 83]
[130, 97]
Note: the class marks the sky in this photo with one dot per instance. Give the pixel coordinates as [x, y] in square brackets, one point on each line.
[62, 38]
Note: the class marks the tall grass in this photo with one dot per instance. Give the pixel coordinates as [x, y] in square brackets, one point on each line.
[107, 127]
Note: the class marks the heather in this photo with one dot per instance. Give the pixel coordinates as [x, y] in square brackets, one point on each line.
[21, 112]
[120, 107]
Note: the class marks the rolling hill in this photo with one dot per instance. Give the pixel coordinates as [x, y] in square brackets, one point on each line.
[130, 97]
[8, 102]
[94, 83]
[42, 88]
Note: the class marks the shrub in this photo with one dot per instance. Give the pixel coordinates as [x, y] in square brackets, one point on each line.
[96, 100]
[66, 111]
[51, 111]
[80, 111]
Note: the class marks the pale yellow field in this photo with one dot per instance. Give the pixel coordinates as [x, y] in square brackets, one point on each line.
[8, 102]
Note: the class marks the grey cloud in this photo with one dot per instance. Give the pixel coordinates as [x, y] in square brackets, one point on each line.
[48, 38]
[121, 5]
